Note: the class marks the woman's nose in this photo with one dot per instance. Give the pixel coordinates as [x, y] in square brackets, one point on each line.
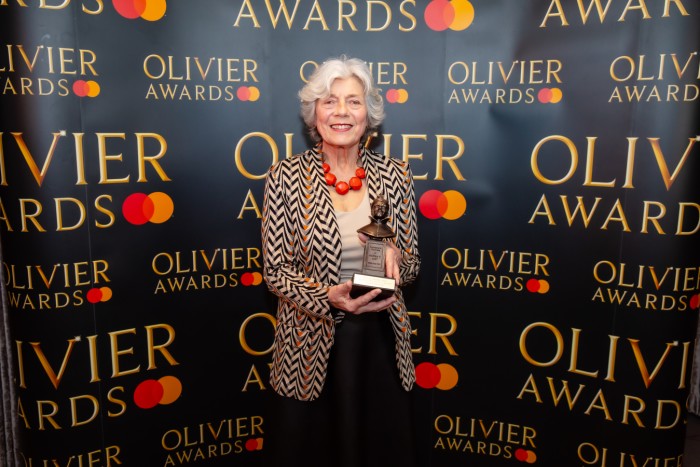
[341, 109]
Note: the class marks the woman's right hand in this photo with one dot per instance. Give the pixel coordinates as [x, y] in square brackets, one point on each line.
[339, 297]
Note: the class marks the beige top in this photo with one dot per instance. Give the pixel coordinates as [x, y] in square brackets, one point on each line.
[352, 250]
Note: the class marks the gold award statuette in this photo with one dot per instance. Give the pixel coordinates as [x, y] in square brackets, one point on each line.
[372, 275]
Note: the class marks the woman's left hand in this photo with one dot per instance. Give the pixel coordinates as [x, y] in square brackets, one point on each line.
[392, 258]
[339, 297]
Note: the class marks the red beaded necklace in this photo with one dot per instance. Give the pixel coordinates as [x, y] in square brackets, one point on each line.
[355, 183]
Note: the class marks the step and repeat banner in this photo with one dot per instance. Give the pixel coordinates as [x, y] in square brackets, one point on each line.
[556, 159]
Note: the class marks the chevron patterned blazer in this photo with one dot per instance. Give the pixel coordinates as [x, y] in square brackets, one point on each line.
[301, 250]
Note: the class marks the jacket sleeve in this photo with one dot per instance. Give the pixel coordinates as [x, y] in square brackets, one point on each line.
[407, 234]
[283, 273]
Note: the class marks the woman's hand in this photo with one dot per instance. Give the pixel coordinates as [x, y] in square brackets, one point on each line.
[392, 258]
[339, 297]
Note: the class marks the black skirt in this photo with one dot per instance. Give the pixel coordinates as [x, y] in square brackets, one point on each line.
[363, 417]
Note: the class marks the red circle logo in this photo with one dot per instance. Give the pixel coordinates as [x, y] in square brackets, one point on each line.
[150, 10]
[163, 391]
[456, 15]
[396, 96]
[248, 93]
[99, 294]
[525, 455]
[251, 278]
[695, 301]
[442, 376]
[450, 205]
[139, 208]
[549, 95]
[82, 88]
[254, 444]
[537, 286]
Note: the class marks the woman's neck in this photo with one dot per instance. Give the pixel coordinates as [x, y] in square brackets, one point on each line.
[341, 157]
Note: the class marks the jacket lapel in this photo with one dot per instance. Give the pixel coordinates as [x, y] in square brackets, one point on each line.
[330, 245]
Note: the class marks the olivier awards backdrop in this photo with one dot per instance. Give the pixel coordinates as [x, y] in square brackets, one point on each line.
[554, 144]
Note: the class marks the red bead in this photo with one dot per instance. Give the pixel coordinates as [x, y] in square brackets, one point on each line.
[326, 168]
[360, 172]
[330, 179]
[355, 183]
[342, 188]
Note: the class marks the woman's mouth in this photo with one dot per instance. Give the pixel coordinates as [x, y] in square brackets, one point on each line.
[341, 126]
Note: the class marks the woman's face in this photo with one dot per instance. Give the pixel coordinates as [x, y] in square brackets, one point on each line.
[341, 118]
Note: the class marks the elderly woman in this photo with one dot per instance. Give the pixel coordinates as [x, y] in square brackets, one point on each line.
[350, 356]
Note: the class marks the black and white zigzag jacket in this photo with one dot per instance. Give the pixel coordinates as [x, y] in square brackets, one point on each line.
[301, 250]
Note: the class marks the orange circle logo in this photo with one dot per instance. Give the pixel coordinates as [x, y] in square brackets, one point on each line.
[254, 444]
[248, 93]
[549, 95]
[537, 286]
[139, 208]
[251, 278]
[442, 376]
[456, 15]
[150, 10]
[525, 455]
[449, 205]
[163, 391]
[396, 96]
[82, 88]
[99, 294]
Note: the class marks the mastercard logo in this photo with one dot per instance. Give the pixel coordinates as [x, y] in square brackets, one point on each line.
[152, 392]
[396, 96]
[456, 15]
[449, 205]
[251, 278]
[525, 455]
[442, 376]
[150, 10]
[99, 294]
[549, 95]
[254, 444]
[248, 93]
[537, 286]
[82, 88]
[695, 301]
[139, 208]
